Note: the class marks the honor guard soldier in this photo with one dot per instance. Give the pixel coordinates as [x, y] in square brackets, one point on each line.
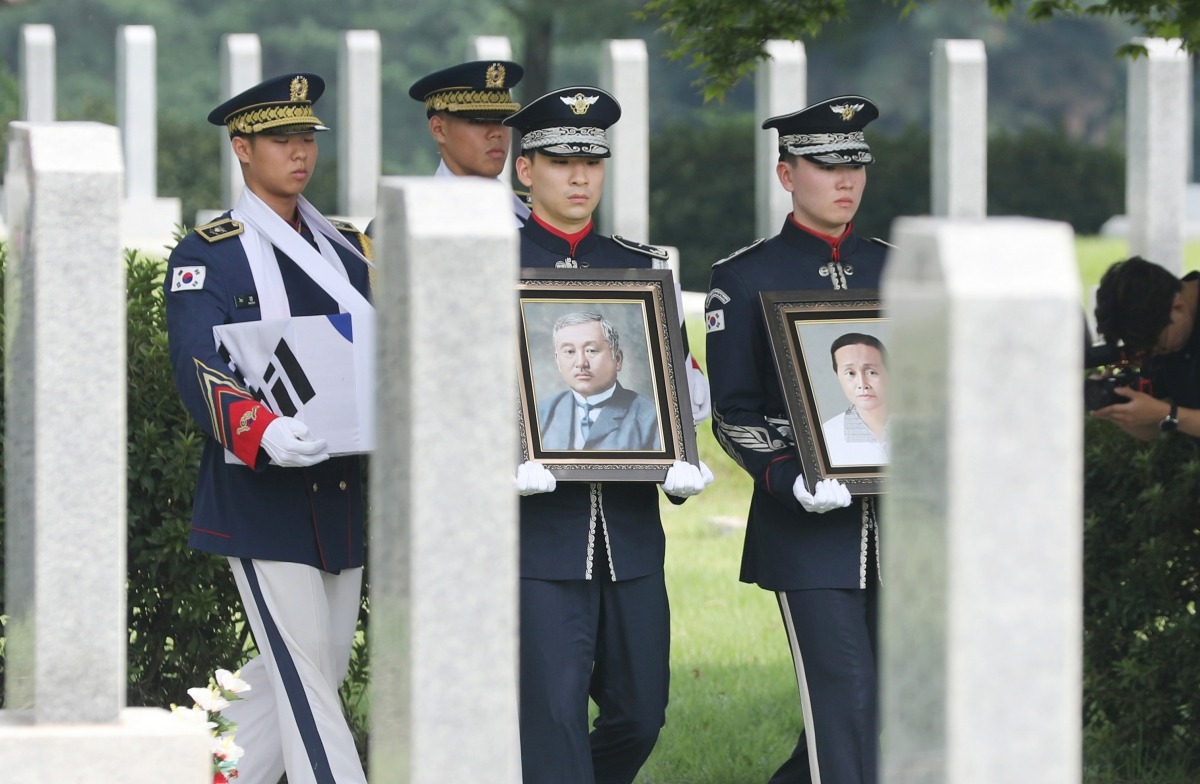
[817, 551]
[466, 105]
[269, 497]
[594, 613]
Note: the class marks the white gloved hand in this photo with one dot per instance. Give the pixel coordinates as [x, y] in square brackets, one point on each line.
[534, 478]
[684, 479]
[290, 444]
[830, 494]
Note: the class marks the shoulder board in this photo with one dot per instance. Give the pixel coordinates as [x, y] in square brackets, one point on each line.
[221, 229]
[740, 251]
[525, 197]
[345, 226]
[637, 247]
[884, 243]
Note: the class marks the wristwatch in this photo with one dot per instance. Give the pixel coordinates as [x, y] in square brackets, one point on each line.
[1170, 422]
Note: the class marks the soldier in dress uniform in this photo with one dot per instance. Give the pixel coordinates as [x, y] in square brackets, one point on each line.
[269, 497]
[466, 105]
[817, 551]
[594, 613]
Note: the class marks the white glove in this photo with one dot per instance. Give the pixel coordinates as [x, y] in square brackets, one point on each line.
[684, 479]
[290, 444]
[534, 478]
[830, 494]
[699, 393]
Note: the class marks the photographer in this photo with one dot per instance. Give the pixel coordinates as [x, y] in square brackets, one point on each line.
[1147, 309]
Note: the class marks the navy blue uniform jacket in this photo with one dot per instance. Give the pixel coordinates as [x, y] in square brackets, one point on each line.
[786, 548]
[310, 515]
[560, 531]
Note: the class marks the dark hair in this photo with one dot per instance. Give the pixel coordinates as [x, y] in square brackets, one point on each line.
[788, 157]
[855, 339]
[1133, 303]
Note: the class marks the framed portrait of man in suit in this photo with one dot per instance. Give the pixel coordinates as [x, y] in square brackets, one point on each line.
[602, 389]
[830, 351]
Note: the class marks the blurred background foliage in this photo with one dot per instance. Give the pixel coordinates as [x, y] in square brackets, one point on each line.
[1056, 97]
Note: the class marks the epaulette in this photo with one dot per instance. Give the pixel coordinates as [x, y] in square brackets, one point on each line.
[221, 229]
[525, 197]
[637, 247]
[345, 226]
[884, 243]
[740, 251]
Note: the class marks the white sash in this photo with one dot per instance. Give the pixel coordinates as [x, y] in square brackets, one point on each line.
[264, 229]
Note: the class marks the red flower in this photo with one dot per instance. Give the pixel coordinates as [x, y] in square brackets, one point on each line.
[219, 778]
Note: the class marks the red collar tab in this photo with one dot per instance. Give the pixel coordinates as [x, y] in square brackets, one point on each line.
[571, 239]
[834, 242]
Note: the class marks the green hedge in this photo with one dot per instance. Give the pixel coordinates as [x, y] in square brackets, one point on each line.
[1141, 582]
[185, 617]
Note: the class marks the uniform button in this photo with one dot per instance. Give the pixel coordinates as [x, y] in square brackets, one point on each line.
[342, 485]
[314, 487]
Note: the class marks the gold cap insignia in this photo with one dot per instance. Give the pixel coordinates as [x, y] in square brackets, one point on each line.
[493, 79]
[299, 89]
[579, 103]
[846, 110]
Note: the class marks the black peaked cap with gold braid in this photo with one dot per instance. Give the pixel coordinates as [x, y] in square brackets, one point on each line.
[829, 132]
[478, 90]
[570, 122]
[280, 105]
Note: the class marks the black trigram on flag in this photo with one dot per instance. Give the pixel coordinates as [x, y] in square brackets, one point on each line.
[286, 381]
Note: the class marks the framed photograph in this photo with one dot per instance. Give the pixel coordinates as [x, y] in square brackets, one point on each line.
[830, 350]
[602, 386]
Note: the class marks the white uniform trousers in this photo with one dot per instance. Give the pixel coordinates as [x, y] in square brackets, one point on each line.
[303, 621]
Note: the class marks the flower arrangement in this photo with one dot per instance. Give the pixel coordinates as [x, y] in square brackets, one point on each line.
[223, 688]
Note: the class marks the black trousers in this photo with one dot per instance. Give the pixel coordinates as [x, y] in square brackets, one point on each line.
[607, 640]
[832, 634]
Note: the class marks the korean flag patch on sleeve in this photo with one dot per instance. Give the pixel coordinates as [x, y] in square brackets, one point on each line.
[188, 279]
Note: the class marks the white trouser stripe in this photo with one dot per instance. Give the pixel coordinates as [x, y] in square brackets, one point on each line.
[810, 729]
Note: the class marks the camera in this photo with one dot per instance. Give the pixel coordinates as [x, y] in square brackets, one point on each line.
[1099, 392]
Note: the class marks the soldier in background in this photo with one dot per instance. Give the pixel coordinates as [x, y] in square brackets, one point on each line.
[466, 105]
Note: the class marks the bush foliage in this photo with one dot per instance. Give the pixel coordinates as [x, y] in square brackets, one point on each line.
[1141, 584]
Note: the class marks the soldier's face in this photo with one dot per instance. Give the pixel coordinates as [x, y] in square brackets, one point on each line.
[585, 359]
[277, 165]
[824, 198]
[565, 191]
[471, 147]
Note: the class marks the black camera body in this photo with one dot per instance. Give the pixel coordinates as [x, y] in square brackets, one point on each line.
[1099, 392]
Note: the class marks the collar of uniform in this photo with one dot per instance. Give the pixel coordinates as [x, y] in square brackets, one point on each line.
[811, 242]
[557, 242]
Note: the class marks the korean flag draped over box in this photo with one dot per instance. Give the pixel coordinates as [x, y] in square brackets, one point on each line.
[317, 369]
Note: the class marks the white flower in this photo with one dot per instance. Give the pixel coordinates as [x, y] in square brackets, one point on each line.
[224, 748]
[229, 681]
[194, 713]
[208, 699]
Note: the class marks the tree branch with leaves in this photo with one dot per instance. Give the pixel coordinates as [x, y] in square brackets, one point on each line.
[726, 41]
